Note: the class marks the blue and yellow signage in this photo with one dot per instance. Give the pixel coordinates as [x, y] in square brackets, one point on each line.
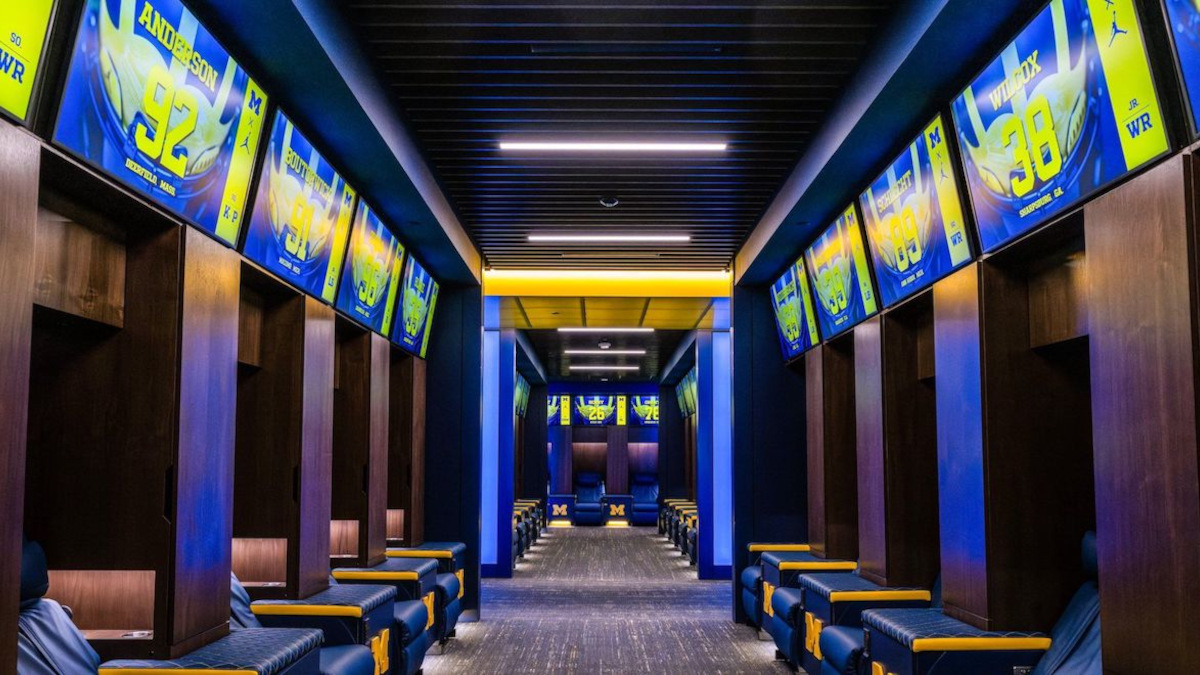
[152, 99]
[1068, 107]
[1185, 29]
[302, 214]
[837, 266]
[23, 27]
[558, 410]
[420, 293]
[645, 410]
[371, 275]
[598, 410]
[794, 318]
[913, 217]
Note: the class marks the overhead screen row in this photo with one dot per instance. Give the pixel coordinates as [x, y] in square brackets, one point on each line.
[1067, 108]
[153, 100]
[601, 410]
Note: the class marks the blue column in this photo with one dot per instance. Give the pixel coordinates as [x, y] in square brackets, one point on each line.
[496, 444]
[714, 446]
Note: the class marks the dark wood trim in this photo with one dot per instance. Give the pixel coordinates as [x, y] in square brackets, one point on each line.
[406, 444]
[1143, 317]
[832, 483]
[19, 169]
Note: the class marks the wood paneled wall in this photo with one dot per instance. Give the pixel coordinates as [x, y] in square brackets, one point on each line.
[896, 447]
[832, 486]
[19, 166]
[1014, 437]
[617, 464]
[406, 444]
[360, 440]
[282, 487]
[1141, 247]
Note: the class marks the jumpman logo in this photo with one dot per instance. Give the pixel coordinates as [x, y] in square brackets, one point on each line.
[1116, 30]
[246, 139]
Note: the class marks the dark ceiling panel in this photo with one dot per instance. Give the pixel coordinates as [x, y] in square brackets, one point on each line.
[759, 76]
[659, 345]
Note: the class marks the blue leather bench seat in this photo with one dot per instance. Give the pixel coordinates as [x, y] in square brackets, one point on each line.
[345, 652]
[784, 618]
[841, 639]
[448, 593]
[49, 643]
[347, 614]
[693, 537]
[415, 582]
[838, 599]
[589, 498]
[751, 577]
[913, 641]
[451, 556]
[644, 488]
[264, 651]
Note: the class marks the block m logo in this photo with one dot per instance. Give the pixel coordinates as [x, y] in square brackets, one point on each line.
[616, 509]
[560, 510]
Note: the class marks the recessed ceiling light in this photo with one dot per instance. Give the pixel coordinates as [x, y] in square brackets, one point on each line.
[608, 146]
[610, 238]
[603, 368]
[589, 329]
[605, 352]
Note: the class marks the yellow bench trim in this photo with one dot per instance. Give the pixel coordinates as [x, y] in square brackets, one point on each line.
[171, 671]
[864, 596]
[977, 644]
[423, 553]
[766, 548]
[306, 610]
[817, 565]
[372, 575]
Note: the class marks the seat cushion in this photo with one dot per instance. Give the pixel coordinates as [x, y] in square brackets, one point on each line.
[48, 643]
[265, 651]
[448, 586]
[411, 617]
[787, 603]
[35, 576]
[1072, 635]
[347, 660]
[842, 648]
[908, 626]
[752, 578]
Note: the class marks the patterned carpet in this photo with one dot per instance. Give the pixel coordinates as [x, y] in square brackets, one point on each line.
[596, 600]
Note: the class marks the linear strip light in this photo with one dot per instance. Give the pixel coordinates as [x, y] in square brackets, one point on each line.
[599, 146]
[590, 329]
[604, 367]
[610, 238]
[605, 352]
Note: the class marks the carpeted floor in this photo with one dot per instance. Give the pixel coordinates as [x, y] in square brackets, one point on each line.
[597, 600]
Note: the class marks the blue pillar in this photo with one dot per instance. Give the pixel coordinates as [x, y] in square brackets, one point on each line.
[496, 444]
[714, 446]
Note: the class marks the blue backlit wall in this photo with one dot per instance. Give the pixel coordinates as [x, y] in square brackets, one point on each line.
[714, 445]
[496, 443]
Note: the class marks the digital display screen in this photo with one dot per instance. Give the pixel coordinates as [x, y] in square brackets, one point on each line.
[644, 409]
[418, 299]
[1068, 107]
[153, 100]
[595, 410]
[558, 410]
[913, 217]
[794, 317]
[371, 276]
[837, 267]
[23, 26]
[302, 214]
[681, 400]
[521, 396]
[1184, 16]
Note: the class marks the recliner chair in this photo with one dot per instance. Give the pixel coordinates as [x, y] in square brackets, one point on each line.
[644, 488]
[348, 659]
[49, 643]
[1072, 648]
[589, 499]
